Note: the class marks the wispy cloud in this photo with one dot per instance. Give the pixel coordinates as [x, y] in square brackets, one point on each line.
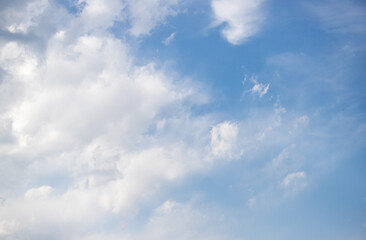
[258, 89]
[340, 16]
[295, 181]
[169, 39]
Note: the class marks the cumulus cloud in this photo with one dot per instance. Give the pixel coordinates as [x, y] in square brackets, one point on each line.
[241, 19]
[81, 110]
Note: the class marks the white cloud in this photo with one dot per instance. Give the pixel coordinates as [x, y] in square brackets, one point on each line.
[174, 220]
[169, 39]
[23, 20]
[38, 193]
[340, 16]
[82, 110]
[108, 135]
[242, 19]
[295, 180]
[31, 21]
[18, 61]
[145, 15]
[76, 112]
[7, 227]
[259, 89]
[100, 14]
[141, 16]
[223, 139]
[182, 221]
[143, 176]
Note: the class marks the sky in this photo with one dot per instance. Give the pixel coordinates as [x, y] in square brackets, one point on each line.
[182, 119]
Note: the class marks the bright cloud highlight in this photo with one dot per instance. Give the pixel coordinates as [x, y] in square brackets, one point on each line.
[241, 19]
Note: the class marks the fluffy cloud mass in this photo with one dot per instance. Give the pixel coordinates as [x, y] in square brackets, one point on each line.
[104, 136]
[80, 111]
[242, 19]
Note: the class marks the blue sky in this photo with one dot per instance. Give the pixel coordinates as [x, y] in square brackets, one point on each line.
[180, 119]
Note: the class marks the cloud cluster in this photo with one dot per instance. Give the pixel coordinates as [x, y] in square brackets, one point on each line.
[88, 137]
[87, 132]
